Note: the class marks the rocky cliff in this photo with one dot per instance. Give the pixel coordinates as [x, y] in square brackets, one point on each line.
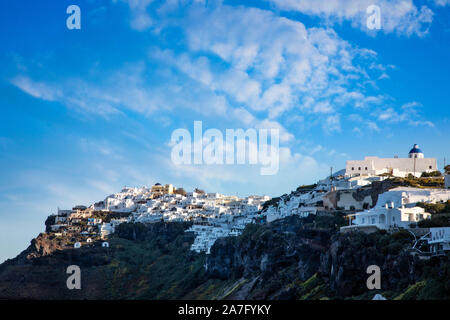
[283, 259]
[291, 258]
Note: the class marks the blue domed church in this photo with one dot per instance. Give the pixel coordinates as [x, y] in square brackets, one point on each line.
[415, 164]
[415, 152]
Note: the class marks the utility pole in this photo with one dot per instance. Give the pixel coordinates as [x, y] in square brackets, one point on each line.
[331, 178]
[414, 166]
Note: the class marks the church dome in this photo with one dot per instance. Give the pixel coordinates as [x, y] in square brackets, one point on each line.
[416, 152]
[415, 149]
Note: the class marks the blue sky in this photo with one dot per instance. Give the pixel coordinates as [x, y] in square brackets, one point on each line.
[86, 112]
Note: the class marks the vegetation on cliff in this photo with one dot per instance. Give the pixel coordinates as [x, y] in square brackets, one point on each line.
[291, 258]
[440, 215]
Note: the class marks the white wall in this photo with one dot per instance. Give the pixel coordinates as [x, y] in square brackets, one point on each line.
[347, 201]
[403, 166]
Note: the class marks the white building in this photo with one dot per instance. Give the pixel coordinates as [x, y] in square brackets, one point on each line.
[304, 212]
[106, 229]
[56, 227]
[390, 217]
[397, 208]
[60, 219]
[214, 215]
[415, 164]
[206, 236]
[439, 239]
[94, 221]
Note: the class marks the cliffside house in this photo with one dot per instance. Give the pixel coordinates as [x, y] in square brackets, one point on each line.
[439, 239]
[397, 209]
[159, 189]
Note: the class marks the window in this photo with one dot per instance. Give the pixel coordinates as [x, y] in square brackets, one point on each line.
[430, 167]
[353, 168]
[359, 168]
[366, 168]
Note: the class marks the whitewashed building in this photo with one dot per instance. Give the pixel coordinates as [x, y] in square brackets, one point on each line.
[216, 214]
[439, 239]
[397, 208]
[106, 229]
[415, 164]
[390, 217]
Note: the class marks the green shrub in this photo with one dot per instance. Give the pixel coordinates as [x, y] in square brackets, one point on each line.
[412, 292]
[402, 234]
[437, 220]
[431, 174]
[434, 208]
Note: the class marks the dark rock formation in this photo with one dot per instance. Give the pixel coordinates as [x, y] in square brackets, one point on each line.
[292, 258]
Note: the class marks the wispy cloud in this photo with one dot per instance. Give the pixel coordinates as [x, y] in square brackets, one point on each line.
[402, 17]
[124, 89]
[140, 18]
[408, 113]
[277, 66]
[40, 90]
[441, 3]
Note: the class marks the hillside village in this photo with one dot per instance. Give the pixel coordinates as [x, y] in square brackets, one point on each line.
[213, 215]
[372, 193]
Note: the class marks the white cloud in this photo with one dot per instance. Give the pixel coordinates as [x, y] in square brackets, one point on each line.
[294, 169]
[408, 113]
[421, 123]
[441, 3]
[356, 130]
[372, 126]
[402, 17]
[323, 107]
[332, 124]
[277, 65]
[36, 89]
[124, 89]
[285, 136]
[140, 18]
